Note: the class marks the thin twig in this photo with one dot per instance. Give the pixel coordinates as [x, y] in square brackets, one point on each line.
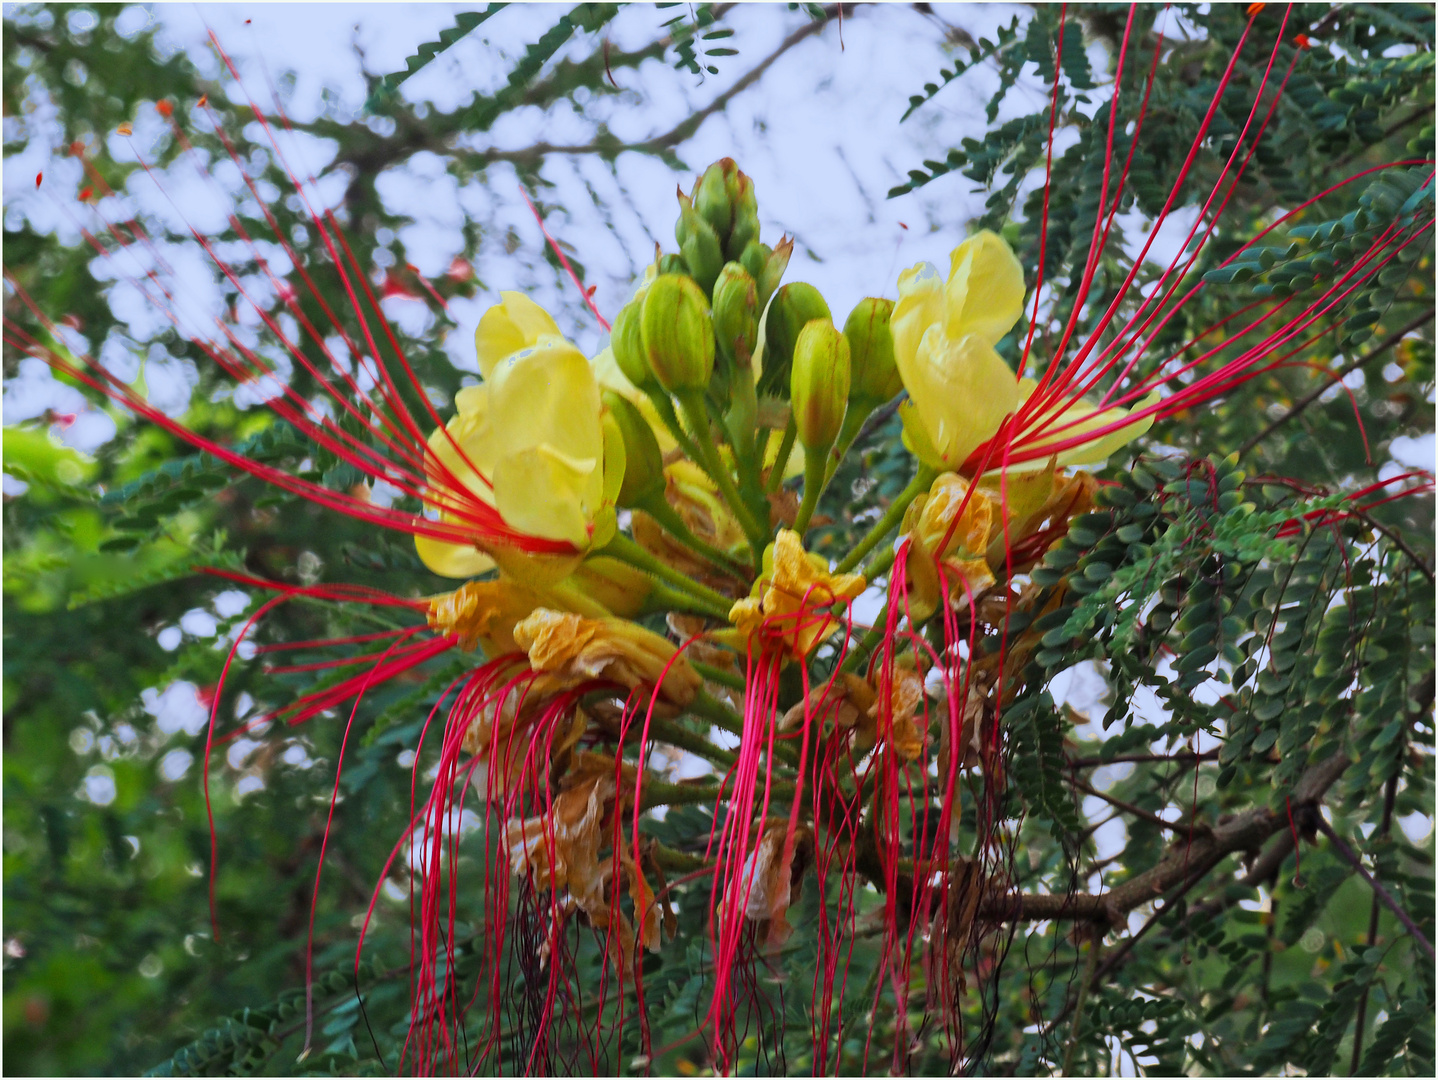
[1390, 795]
[1130, 808]
[1347, 369]
[674, 136]
[1377, 886]
[1188, 756]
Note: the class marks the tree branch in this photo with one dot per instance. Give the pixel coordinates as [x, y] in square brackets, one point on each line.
[612, 147]
[1130, 808]
[1347, 369]
[1243, 832]
[1379, 890]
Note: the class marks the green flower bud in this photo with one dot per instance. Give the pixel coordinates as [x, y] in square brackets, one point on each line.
[736, 314]
[643, 460]
[755, 257]
[678, 333]
[819, 385]
[711, 199]
[871, 352]
[745, 227]
[671, 264]
[700, 246]
[768, 279]
[795, 305]
[627, 343]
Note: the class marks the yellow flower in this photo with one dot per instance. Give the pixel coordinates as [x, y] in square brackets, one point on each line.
[484, 613]
[1076, 420]
[568, 650]
[928, 521]
[944, 334]
[902, 707]
[959, 388]
[790, 600]
[609, 376]
[530, 442]
[562, 849]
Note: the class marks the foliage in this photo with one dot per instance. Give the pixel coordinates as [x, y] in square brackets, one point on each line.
[1252, 609]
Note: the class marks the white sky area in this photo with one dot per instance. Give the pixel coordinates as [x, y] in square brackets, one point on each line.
[818, 133]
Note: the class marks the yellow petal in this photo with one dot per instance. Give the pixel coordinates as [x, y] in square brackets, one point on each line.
[547, 394]
[962, 390]
[985, 292]
[483, 613]
[916, 436]
[471, 399]
[543, 492]
[463, 448]
[1084, 417]
[452, 560]
[515, 323]
[920, 306]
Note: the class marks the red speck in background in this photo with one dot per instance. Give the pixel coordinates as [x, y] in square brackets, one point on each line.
[73, 321]
[459, 270]
[38, 177]
[37, 1011]
[85, 193]
[204, 100]
[77, 148]
[164, 108]
[903, 226]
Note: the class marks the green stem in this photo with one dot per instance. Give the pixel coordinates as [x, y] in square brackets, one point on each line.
[786, 447]
[721, 716]
[675, 734]
[868, 643]
[878, 564]
[741, 422]
[665, 408]
[627, 551]
[713, 464]
[731, 679]
[710, 708]
[923, 476]
[854, 419]
[662, 793]
[669, 518]
[664, 598]
[1077, 1027]
[814, 484]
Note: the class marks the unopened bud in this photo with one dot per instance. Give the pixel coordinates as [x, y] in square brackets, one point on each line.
[773, 272]
[671, 264]
[795, 305]
[755, 257]
[711, 197]
[643, 460]
[678, 334]
[819, 384]
[736, 314]
[745, 227]
[626, 341]
[875, 377]
[700, 246]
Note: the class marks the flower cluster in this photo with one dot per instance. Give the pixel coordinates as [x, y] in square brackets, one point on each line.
[632, 545]
[662, 464]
